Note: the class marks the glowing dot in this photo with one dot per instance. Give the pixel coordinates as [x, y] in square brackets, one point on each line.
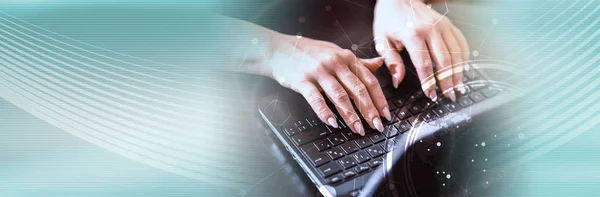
[443, 184]
[483, 170]
[421, 141]
[476, 144]
[410, 24]
[301, 19]
[439, 144]
[354, 47]
[482, 143]
[485, 159]
[428, 150]
[429, 6]
[254, 41]
[328, 8]
[443, 172]
[487, 183]
[379, 47]
[472, 160]
[475, 53]
[521, 136]
[448, 176]
[437, 172]
[494, 135]
[495, 21]
[508, 145]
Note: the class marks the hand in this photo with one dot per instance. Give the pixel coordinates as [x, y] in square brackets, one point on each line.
[308, 66]
[426, 35]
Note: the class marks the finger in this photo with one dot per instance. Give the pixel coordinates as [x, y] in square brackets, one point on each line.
[457, 60]
[372, 64]
[317, 102]
[462, 41]
[360, 94]
[373, 87]
[419, 54]
[443, 64]
[340, 98]
[395, 64]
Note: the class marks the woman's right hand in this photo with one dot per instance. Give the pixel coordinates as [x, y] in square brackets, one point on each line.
[310, 66]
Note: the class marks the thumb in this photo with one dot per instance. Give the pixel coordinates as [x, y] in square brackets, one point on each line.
[372, 64]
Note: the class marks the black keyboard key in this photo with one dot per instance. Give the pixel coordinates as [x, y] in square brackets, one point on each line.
[335, 153]
[490, 91]
[361, 156]
[314, 121]
[330, 169]
[403, 113]
[348, 162]
[464, 101]
[349, 147]
[323, 145]
[414, 97]
[477, 97]
[403, 126]
[337, 139]
[426, 103]
[390, 131]
[477, 85]
[348, 174]
[335, 179]
[363, 142]
[392, 106]
[290, 131]
[362, 168]
[349, 135]
[311, 135]
[375, 151]
[453, 107]
[440, 111]
[389, 145]
[428, 116]
[375, 162]
[415, 109]
[301, 125]
[376, 137]
[415, 120]
[315, 157]
[399, 102]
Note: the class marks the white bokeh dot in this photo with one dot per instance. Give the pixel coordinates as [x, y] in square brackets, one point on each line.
[379, 47]
[475, 53]
[482, 143]
[439, 144]
[448, 176]
[354, 47]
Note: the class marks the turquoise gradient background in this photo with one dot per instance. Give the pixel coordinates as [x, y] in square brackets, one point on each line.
[171, 49]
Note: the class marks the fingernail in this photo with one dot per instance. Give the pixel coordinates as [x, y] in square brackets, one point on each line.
[378, 124]
[432, 95]
[387, 114]
[358, 128]
[332, 122]
[452, 95]
[395, 81]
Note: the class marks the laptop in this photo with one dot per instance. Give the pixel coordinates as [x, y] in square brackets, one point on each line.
[342, 163]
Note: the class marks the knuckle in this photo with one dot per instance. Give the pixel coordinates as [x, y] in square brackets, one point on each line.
[371, 81]
[361, 90]
[314, 98]
[423, 64]
[340, 95]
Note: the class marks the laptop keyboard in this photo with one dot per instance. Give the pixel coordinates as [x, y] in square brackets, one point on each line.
[339, 154]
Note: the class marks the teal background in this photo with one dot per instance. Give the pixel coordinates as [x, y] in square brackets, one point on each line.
[553, 134]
